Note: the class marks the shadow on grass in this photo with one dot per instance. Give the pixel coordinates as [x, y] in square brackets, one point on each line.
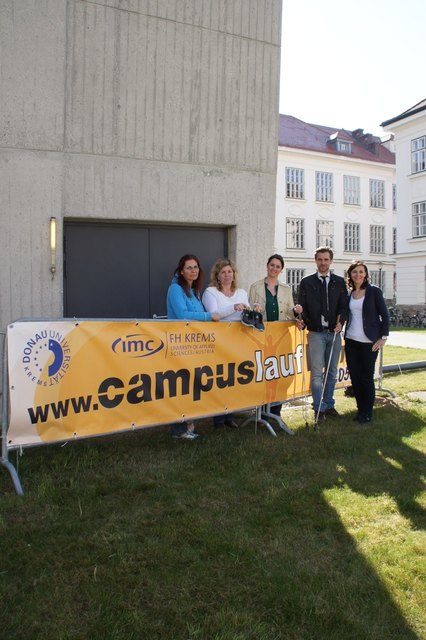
[231, 538]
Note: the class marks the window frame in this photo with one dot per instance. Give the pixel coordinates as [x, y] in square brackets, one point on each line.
[297, 233]
[377, 238]
[352, 238]
[377, 193]
[351, 190]
[418, 154]
[324, 239]
[324, 188]
[295, 183]
[419, 219]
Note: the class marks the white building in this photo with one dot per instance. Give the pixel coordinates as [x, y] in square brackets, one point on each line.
[336, 188]
[409, 129]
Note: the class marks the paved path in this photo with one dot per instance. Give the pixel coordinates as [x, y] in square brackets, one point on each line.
[415, 339]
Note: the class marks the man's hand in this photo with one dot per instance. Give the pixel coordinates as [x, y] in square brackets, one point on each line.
[338, 327]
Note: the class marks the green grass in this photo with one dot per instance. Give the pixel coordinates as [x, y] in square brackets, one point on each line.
[400, 355]
[235, 537]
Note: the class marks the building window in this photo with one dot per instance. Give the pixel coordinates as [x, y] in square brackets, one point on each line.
[325, 233]
[378, 278]
[352, 231]
[418, 154]
[351, 190]
[294, 277]
[377, 238]
[394, 240]
[295, 183]
[394, 197]
[324, 186]
[343, 145]
[377, 194]
[295, 233]
[419, 219]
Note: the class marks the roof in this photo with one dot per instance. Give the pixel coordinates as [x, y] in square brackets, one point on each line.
[420, 106]
[297, 134]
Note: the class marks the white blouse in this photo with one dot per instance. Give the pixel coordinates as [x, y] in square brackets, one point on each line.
[216, 302]
[355, 330]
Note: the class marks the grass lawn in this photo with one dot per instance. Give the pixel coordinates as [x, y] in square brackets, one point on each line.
[400, 355]
[238, 536]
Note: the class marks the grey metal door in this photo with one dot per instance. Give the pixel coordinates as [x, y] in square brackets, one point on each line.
[123, 270]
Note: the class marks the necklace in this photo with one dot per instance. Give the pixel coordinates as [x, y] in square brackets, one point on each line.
[228, 294]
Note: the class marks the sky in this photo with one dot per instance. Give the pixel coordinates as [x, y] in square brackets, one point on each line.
[352, 64]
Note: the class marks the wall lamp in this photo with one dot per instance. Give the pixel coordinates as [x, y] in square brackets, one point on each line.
[53, 246]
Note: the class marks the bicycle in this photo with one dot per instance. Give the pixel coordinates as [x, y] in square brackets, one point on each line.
[395, 317]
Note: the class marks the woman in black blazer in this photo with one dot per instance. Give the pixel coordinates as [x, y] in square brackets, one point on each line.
[366, 332]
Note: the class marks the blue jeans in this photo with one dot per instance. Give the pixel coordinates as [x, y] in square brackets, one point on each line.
[319, 348]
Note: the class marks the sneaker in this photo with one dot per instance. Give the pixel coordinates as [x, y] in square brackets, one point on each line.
[258, 321]
[332, 413]
[247, 318]
[188, 435]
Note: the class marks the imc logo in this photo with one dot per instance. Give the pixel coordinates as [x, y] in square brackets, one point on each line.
[137, 345]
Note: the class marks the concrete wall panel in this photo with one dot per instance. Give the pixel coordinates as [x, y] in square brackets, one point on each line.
[30, 193]
[142, 87]
[32, 73]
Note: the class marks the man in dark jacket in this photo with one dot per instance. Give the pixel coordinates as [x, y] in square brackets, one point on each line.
[323, 296]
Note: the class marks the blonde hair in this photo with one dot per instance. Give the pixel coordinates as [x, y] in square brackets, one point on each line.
[217, 268]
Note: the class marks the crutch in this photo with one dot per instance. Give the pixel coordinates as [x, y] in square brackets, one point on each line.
[325, 382]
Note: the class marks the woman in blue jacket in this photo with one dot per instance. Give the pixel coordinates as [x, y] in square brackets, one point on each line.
[366, 332]
[184, 303]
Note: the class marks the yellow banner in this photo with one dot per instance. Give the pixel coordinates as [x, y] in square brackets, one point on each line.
[77, 379]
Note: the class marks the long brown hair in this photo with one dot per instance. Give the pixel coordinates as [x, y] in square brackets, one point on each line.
[349, 281]
[197, 284]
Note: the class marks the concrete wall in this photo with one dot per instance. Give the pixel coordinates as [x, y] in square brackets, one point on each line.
[137, 110]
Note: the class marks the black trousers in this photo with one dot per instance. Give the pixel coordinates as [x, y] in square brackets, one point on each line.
[361, 361]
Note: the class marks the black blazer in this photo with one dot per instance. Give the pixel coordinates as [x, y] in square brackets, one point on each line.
[375, 315]
[310, 299]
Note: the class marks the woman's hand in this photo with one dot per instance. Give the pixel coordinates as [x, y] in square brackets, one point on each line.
[298, 309]
[215, 317]
[239, 306]
[378, 344]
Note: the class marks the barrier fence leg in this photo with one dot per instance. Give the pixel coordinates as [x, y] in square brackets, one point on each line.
[279, 421]
[258, 418]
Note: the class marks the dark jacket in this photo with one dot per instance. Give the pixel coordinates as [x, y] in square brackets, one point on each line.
[310, 299]
[375, 315]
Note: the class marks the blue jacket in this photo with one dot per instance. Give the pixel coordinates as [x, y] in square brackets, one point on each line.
[180, 307]
[375, 315]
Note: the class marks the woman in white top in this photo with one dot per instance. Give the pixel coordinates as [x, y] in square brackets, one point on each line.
[366, 331]
[224, 298]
